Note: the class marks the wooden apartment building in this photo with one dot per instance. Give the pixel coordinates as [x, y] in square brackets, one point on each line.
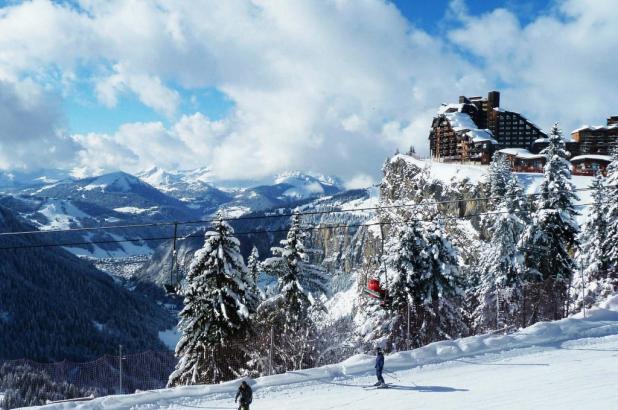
[476, 127]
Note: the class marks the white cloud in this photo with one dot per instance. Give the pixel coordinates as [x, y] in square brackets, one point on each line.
[149, 89]
[333, 86]
[360, 181]
[188, 143]
[31, 127]
[557, 68]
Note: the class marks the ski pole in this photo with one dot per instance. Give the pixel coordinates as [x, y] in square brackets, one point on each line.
[391, 375]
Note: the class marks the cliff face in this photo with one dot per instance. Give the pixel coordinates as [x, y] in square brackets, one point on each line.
[406, 184]
[407, 180]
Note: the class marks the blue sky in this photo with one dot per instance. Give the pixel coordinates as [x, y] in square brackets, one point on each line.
[251, 89]
[85, 114]
[430, 15]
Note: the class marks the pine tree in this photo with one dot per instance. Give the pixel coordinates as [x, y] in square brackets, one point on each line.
[608, 282]
[300, 284]
[216, 314]
[501, 265]
[610, 246]
[439, 297]
[588, 283]
[400, 275]
[298, 280]
[499, 177]
[253, 263]
[551, 234]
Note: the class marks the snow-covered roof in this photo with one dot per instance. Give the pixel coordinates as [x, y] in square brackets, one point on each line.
[481, 136]
[606, 158]
[540, 140]
[521, 153]
[595, 128]
[448, 108]
[460, 121]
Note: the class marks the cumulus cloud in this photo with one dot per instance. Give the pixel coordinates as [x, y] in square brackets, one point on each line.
[149, 90]
[331, 86]
[557, 68]
[31, 127]
[360, 181]
[188, 143]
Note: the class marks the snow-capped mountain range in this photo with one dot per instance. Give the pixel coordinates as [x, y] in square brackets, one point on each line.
[53, 200]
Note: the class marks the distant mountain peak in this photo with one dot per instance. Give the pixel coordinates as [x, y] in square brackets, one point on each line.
[166, 180]
[120, 181]
[301, 176]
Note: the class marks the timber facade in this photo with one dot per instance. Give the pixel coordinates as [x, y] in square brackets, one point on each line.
[485, 129]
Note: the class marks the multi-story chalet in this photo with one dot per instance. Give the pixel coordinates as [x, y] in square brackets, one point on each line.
[597, 140]
[476, 127]
[594, 147]
[589, 150]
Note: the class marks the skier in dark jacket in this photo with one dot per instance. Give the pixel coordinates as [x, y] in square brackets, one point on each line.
[246, 396]
[379, 366]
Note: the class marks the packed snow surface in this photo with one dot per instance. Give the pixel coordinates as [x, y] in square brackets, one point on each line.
[567, 364]
[60, 214]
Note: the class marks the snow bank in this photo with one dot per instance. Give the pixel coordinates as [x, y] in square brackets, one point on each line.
[600, 321]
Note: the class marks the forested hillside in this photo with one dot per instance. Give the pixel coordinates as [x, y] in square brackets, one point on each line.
[54, 306]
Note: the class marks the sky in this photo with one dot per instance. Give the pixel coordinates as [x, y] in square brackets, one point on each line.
[251, 88]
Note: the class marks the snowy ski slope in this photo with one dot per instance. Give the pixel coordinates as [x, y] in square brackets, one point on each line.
[567, 364]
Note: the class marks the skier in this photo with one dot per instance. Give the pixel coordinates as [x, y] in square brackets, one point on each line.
[246, 396]
[379, 366]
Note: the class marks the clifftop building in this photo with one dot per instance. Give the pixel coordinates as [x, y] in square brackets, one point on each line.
[474, 128]
[597, 140]
[593, 147]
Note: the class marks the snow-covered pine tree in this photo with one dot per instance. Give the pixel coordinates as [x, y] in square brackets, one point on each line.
[420, 272]
[300, 284]
[402, 268]
[500, 265]
[611, 242]
[215, 319]
[610, 245]
[550, 236]
[591, 258]
[299, 281]
[500, 174]
[253, 263]
[438, 311]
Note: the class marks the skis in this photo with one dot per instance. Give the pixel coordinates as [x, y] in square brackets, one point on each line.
[380, 386]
